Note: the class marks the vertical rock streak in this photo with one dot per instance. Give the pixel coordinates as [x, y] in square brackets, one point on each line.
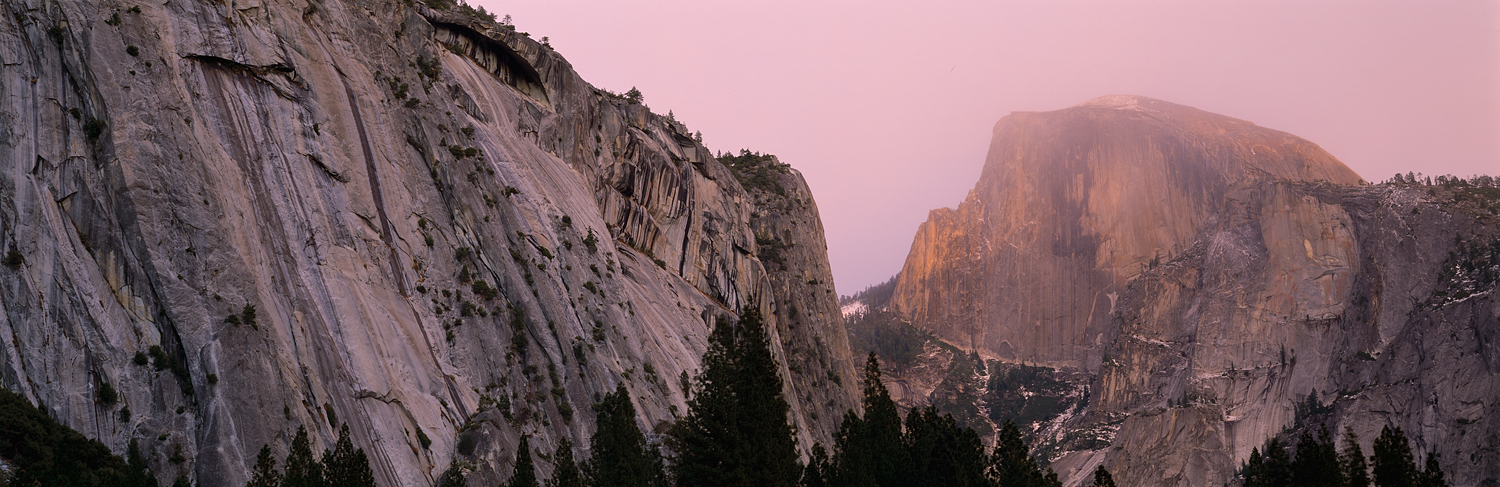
[1210, 275]
[223, 173]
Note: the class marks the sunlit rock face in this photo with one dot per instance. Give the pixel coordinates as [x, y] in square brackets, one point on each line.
[445, 234]
[1211, 275]
[1070, 206]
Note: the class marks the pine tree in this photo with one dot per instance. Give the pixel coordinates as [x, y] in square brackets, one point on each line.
[1356, 471]
[882, 430]
[136, 473]
[1432, 476]
[453, 476]
[1012, 466]
[566, 473]
[265, 474]
[525, 473]
[346, 466]
[1317, 463]
[622, 458]
[1254, 469]
[1269, 469]
[1278, 468]
[1393, 463]
[1102, 478]
[736, 432]
[301, 469]
[852, 463]
[871, 450]
[942, 452]
[817, 470]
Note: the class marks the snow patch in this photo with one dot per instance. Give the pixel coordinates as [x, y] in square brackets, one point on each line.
[856, 307]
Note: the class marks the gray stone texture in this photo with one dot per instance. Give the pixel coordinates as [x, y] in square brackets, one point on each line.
[340, 167]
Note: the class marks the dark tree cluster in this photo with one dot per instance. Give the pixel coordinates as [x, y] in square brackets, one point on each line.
[1317, 464]
[930, 449]
[45, 452]
[736, 431]
[885, 334]
[875, 295]
[880, 331]
[756, 171]
[622, 455]
[736, 434]
[1448, 180]
[343, 466]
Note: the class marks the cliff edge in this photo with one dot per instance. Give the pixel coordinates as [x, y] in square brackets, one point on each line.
[1192, 285]
[248, 216]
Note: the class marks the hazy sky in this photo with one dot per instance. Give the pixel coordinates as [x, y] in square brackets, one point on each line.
[886, 107]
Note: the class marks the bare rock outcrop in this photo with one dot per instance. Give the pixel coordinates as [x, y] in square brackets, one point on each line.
[1305, 305]
[1212, 276]
[247, 216]
[1070, 205]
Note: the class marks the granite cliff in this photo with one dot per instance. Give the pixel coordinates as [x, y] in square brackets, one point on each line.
[1072, 204]
[251, 215]
[1185, 281]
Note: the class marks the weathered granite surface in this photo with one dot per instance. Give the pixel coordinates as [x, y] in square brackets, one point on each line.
[354, 171]
[1369, 298]
[1210, 274]
[1070, 205]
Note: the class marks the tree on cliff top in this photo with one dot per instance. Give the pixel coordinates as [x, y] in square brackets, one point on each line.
[736, 431]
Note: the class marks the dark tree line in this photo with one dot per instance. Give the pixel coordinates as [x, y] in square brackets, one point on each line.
[1317, 464]
[929, 449]
[45, 452]
[342, 466]
[736, 434]
[1448, 180]
[622, 455]
[736, 430]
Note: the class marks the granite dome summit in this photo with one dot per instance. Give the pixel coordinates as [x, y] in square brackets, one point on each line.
[1205, 284]
[1070, 205]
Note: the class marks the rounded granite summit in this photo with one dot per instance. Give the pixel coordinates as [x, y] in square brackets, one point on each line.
[1075, 202]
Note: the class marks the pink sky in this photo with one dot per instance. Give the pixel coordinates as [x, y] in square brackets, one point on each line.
[886, 107]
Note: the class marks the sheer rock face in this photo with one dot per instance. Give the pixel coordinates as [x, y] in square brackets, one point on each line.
[1212, 274]
[1357, 295]
[352, 170]
[1073, 203]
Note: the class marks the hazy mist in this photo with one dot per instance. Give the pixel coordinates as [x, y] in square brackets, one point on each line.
[887, 107]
